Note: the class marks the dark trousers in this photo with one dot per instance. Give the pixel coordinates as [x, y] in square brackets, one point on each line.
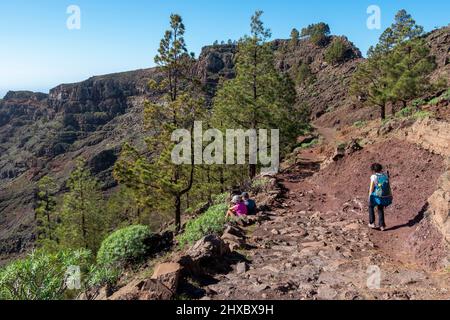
[380, 215]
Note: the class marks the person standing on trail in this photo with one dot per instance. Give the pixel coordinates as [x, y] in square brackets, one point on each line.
[238, 208]
[380, 195]
[249, 203]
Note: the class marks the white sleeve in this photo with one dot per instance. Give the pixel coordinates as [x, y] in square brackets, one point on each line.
[374, 179]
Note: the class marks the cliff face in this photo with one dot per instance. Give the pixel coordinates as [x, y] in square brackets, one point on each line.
[439, 41]
[326, 90]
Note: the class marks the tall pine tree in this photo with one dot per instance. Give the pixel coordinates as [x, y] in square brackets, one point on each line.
[45, 211]
[82, 220]
[260, 97]
[159, 182]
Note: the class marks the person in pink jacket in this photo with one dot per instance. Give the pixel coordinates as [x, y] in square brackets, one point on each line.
[238, 207]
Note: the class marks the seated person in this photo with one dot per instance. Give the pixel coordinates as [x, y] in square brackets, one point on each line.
[250, 204]
[238, 207]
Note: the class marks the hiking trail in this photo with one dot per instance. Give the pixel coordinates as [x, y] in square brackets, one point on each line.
[317, 245]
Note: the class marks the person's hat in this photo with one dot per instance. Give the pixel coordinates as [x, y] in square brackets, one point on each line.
[236, 199]
[245, 195]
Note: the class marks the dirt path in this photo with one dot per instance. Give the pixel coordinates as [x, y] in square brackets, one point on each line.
[329, 134]
[318, 246]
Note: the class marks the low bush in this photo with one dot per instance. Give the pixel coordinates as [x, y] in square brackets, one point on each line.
[124, 247]
[435, 101]
[211, 222]
[336, 52]
[220, 198]
[417, 103]
[446, 95]
[405, 112]
[360, 124]
[304, 74]
[309, 144]
[259, 184]
[100, 276]
[422, 115]
[42, 276]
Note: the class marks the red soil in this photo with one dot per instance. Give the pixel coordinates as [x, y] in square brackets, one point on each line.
[414, 174]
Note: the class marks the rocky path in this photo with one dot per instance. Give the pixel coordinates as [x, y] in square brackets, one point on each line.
[303, 253]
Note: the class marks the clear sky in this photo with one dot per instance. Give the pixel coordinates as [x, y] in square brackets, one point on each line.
[38, 51]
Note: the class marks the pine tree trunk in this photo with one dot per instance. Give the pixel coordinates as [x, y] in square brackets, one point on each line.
[383, 112]
[178, 213]
[222, 180]
[252, 171]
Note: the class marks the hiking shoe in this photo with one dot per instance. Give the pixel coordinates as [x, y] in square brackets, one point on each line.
[372, 226]
[383, 229]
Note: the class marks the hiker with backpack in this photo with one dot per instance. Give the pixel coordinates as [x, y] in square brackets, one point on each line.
[249, 203]
[380, 196]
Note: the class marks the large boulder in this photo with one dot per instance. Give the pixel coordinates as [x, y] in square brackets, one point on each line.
[150, 289]
[209, 247]
[168, 274]
[205, 254]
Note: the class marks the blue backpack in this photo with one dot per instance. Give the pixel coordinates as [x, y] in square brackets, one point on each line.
[382, 195]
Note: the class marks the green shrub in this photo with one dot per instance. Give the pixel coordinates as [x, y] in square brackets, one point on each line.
[417, 103]
[40, 276]
[405, 112]
[259, 184]
[446, 95]
[422, 115]
[360, 124]
[125, 246]
[342, 145]
[304, 74]
[220, 198]
[435, 101]
[336, 52]
[100, 276]
[211, 222]
[309, 144]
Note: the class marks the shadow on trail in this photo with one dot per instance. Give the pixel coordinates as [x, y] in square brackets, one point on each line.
[416, 220]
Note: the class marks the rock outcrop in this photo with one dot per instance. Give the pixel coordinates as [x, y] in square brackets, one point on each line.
[435, 136]
[439, 41]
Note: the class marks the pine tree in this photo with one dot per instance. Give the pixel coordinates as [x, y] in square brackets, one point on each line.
[397, 68]
[408, 68]
[160, 183]
[45, 210]
[82, 220]
[295, 36]
[259, 97]
[318, 33]
[402, 30]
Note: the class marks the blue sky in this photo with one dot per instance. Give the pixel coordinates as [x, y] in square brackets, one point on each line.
[38, 52]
